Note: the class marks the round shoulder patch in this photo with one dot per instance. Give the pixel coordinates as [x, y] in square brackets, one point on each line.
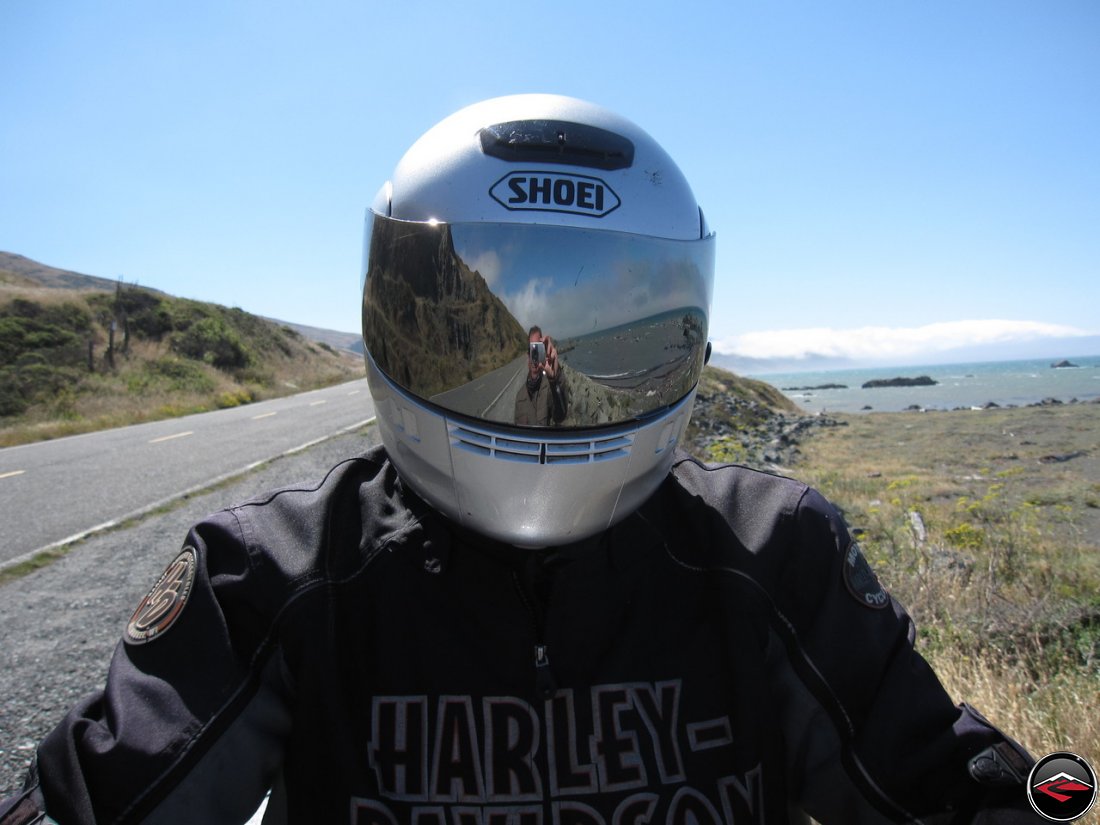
[861, 581]
[163, 604]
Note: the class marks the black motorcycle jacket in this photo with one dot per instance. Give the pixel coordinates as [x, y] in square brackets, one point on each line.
[723, 655]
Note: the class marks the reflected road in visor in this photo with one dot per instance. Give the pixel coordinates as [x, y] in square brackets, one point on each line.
[459, 314]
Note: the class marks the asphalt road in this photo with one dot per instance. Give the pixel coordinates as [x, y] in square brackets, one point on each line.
[59, 624]
[55, 491]
[491, 396]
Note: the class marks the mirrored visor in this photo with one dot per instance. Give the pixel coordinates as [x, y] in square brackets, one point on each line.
[536, 326]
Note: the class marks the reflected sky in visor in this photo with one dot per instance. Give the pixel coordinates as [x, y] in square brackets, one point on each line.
[447, 309]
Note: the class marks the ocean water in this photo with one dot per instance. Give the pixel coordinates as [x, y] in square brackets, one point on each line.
[1005, 383]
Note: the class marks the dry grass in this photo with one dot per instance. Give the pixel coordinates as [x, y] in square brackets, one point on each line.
[114, 404]
[986, 525]
[1048, 711]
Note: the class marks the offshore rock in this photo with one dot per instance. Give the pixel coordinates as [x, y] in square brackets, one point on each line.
[919, 381]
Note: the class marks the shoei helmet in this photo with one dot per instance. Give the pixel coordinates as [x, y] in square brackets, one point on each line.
[516, 229]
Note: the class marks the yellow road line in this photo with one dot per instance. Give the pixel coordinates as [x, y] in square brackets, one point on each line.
[12, 473]
[264, 415]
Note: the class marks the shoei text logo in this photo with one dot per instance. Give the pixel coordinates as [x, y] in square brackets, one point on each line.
[555, 192]
[1061, 787]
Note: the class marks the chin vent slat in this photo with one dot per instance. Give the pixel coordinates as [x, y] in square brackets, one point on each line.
[540, 451]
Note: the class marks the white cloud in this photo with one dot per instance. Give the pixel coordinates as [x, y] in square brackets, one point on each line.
[530, 305]
[488, 264]
[882, 343]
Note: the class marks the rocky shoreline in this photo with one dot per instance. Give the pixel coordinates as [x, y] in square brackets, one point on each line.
[993, 405]
[725, 427]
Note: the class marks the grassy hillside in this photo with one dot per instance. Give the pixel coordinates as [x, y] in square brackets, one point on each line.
[76, 360]
[986, 525]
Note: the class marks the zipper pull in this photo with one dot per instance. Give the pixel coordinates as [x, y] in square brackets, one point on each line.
[545, 684]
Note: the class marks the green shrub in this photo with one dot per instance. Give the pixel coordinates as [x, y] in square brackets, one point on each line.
[67, 314]
[20, 335]
[211, 340]
[24, 384]
[152, 323]
[186, 312]
[12, 400]
[171, 375]
[147, 314]
[132, 301]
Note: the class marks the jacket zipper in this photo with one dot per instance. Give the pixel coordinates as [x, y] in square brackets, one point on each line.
[545, 683]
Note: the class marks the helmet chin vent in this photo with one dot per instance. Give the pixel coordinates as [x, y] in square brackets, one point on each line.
[538, 451]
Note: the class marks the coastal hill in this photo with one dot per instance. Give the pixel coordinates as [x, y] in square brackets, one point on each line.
[81, 353]
[18, 271]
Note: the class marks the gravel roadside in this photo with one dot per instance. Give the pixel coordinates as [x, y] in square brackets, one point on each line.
[59, 625]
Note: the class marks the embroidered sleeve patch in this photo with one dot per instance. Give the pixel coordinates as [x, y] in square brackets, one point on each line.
[163, 604]
[861, 581]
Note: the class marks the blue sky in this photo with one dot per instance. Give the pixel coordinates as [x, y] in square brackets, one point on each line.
[889, 180]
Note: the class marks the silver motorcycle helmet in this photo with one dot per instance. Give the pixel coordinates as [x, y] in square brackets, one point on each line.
[524, 228]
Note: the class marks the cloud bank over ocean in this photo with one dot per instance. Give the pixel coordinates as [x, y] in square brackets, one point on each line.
[825, 347]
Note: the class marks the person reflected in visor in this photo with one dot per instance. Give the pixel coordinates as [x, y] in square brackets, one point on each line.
[541, 399]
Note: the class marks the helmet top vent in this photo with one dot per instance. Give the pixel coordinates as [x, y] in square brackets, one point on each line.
[557, 141]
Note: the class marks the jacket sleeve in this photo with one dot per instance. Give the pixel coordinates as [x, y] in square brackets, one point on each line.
[191, 722]
[870, 733]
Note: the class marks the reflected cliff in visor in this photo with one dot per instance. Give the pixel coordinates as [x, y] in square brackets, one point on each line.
[460, 314]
